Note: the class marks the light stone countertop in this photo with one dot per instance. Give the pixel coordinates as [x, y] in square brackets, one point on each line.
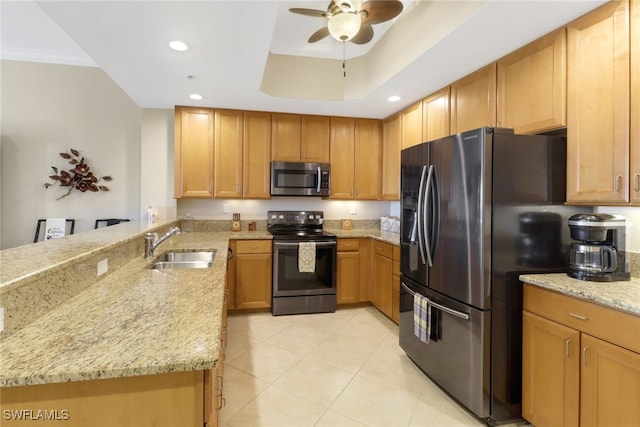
[134, 321]
[624, 296]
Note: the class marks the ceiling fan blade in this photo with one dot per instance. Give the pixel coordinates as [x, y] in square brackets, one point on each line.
[318, 35]
[308, 12]
[364, 35]
[381, 10]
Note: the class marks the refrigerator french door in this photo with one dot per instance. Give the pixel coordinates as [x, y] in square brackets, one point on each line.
[483, 196]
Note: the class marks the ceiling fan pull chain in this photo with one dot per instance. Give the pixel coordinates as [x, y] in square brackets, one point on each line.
[344, 60]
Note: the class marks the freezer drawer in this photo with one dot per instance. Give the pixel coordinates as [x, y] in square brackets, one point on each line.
[457, 355]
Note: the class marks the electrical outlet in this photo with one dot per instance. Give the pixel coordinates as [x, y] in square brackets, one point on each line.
[103, 266]
[225, 208]
[353, 210]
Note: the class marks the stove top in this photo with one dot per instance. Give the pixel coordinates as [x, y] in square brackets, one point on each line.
[296, 224]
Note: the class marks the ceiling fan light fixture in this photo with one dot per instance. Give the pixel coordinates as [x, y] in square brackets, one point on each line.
[344, 26]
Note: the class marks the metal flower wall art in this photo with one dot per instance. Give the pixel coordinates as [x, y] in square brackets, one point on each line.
[79, 177]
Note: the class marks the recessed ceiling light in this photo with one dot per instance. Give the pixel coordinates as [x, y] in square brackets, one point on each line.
[195, 96]
[178, 45]
[394, 98]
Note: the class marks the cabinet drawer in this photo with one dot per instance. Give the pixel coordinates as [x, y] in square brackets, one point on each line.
[348, 245]
[253, 246]
[605, 323]
[382, 248]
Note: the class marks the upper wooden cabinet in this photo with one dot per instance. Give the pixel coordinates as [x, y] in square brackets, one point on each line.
[256, 171]
[598, 106]
[473, 100]
[228, 153]
[412, 125]
[635, 103]
[436, 115]
[355, 158]
[300, 138]
[193, 152]
[532, 89]
[391, 147]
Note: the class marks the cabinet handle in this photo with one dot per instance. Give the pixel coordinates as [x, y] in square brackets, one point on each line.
[618, 183]
[567, 345]
[636, 182]
[584, 355]
[226, 296]
[577, 316]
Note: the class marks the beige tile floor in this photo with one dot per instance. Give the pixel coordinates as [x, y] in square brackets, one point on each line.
[334, 369]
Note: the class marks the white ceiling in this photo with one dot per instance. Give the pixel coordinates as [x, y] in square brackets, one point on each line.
[233, 44]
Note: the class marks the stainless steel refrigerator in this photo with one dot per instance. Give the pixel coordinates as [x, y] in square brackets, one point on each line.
[477, 210]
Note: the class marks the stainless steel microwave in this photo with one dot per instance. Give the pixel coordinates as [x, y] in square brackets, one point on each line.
[300, 179]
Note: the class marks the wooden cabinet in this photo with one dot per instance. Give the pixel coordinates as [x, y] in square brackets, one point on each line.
[395, 285]
[412, 125]
[300, 138]
[348, 270]
[391, 147]
[253, 274]
[532, 88]
[581, 362]
[382, 271]
[256, 155]
[228, 141]
[231, 275]
[598, 106]
[635, 103]
[436, 115]
[214, 379]
[355, 158]
[473, 100]
[193, 152]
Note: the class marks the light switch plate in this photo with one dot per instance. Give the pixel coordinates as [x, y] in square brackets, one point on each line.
[103, 266]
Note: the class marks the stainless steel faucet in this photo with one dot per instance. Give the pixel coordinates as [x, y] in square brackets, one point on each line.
[151, 241]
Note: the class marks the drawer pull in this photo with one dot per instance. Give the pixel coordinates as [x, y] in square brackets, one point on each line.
[577, 316]
[567, 345]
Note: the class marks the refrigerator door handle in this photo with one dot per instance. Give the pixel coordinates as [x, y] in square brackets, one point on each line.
[425, 217]
[414, 229]
[440, 307]
[434, 234]
[420, 214]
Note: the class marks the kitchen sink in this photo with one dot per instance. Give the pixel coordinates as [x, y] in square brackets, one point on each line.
[182, 260]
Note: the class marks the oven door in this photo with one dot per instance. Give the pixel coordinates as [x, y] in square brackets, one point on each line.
[288, 281]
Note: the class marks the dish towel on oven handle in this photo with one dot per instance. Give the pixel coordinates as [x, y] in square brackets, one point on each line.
[421, 318]
[307, 257]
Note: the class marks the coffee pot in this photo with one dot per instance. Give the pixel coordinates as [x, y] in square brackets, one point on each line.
[599, 251]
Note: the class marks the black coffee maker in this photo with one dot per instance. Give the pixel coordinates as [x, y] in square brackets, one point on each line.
[599, 253]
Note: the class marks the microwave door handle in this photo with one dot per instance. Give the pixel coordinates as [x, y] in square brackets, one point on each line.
[318, 180]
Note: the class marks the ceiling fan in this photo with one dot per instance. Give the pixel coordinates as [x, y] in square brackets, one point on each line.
[352, 20]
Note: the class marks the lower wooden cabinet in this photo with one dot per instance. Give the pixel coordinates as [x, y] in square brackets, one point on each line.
[253, 268]
[348, 271]
[395, 285]
[580, 363]
[382, 271]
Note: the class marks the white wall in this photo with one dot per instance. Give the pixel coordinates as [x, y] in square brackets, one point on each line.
[633, 222]
[48, 109]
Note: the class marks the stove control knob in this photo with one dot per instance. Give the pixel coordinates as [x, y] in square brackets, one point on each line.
[274, 216]
[281, 217]
[311, 216]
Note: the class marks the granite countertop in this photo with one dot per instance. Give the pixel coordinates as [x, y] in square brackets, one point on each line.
[624, 296]
[384, 236]
[135, 321]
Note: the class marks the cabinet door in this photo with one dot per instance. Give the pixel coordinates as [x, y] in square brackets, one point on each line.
[342, 157]
[598, 106]
[228, 154]
[315, 134]
[253, 281]
[348, 279]
[635, 102]
[610, 386]
[412, 125]
[436, 115]
[193, 152]
[368, 159]
[473, 100]
[382, 284]
[550, 372]
[256, 182]
[532, 86]
[285, 137]
[391, 140]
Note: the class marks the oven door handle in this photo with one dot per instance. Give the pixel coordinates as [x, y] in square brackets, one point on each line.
[296, 244]
[451, 311]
